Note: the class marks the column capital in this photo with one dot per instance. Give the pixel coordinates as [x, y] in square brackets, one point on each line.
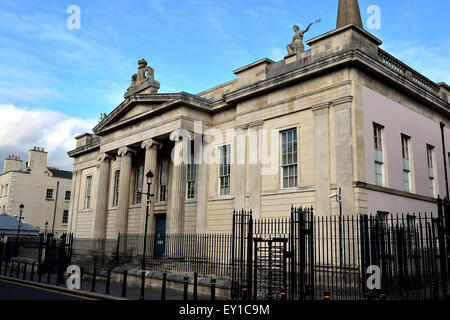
[102, 157]
[181, 134]
[150, 143]
[207, 138]
[124, 151]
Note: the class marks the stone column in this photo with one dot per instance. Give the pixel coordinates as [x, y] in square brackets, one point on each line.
[344, 153]
[239, 181]
[322, 158]
[124, 190]
[175, 216]
[102, 197]
[73, 204]
[202, 190]
[151, 163]
[254, 167]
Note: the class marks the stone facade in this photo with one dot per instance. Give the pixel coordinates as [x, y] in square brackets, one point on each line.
[331, 95]
[31, 187]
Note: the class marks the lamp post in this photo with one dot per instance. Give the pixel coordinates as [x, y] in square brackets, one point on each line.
[149, 176]
[20, 219]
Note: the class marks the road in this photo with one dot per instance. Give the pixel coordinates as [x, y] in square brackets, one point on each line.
[15, 291]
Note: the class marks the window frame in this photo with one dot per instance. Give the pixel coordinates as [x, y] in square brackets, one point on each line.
[70, 196]
[379, 160]
[221, 173]
[65, 218]
[115, 193]
[406, 162]
[88, 193]
[431, 170]
[162, 188]
[291, 164]
[47, 197]
[191, 179]
[139, 184]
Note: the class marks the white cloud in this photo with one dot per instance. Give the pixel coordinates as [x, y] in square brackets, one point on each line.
[22, 129]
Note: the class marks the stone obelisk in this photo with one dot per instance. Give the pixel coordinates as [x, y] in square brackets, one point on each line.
[348, 13]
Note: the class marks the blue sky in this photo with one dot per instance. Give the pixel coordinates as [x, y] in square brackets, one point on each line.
[54, 82]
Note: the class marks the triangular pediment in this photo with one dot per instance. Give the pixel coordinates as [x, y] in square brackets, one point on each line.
[138, 106]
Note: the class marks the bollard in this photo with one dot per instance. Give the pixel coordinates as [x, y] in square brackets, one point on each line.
[213, 289]
[124, 283]
[94, 276]
[283, 294]
[32, 272]
[142, 297]
[108, 280]
[194, 294]
[49, 275]
[81, 278]
[244, 293]
[25, 271]
[18, 269]
[163, 288]
[185, 291]
[39, 271]
[11, 271]
[327, 295]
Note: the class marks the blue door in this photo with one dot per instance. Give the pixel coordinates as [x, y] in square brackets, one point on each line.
[160, 236]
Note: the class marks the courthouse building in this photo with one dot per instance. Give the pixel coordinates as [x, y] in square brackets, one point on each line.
[44, 191]
[342, 114]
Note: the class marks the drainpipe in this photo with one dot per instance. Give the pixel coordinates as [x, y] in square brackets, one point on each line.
[54, 212]
[445, 158]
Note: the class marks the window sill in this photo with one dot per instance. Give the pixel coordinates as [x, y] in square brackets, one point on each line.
[221, 198]
[190, 200]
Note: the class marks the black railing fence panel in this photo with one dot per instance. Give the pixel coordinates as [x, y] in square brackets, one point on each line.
[303, 256]
[307, 255]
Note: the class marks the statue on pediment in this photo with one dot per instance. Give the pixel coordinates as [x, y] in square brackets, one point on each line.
[145, 73]
[143, 82]
[297, 46]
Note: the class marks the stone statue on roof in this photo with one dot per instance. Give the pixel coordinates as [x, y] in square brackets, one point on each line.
[297, 46]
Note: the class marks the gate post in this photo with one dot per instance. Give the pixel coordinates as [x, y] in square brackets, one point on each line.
[301, 215]
[250, 255]
[442, 252]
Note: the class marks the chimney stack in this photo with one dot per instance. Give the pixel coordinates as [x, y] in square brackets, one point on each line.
[12, 163]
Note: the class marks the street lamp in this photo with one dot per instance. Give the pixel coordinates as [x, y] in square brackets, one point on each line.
[149, 176]
[20, 219]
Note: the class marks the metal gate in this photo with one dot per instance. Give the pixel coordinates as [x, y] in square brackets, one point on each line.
[270, 277]
[273, 255]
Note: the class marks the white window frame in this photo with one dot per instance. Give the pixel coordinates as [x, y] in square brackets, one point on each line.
[379, 154]
[191, 177]
[220, 171]
[88, 193]
[47, 194]
[431, 170]
[162, 185]
[296, 163]
[139, 184]
[65, 218]
[406, 162]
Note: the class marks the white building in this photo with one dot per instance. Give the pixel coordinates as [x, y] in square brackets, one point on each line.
[44, 191]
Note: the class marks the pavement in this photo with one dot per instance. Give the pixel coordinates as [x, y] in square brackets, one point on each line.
[24, 288]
